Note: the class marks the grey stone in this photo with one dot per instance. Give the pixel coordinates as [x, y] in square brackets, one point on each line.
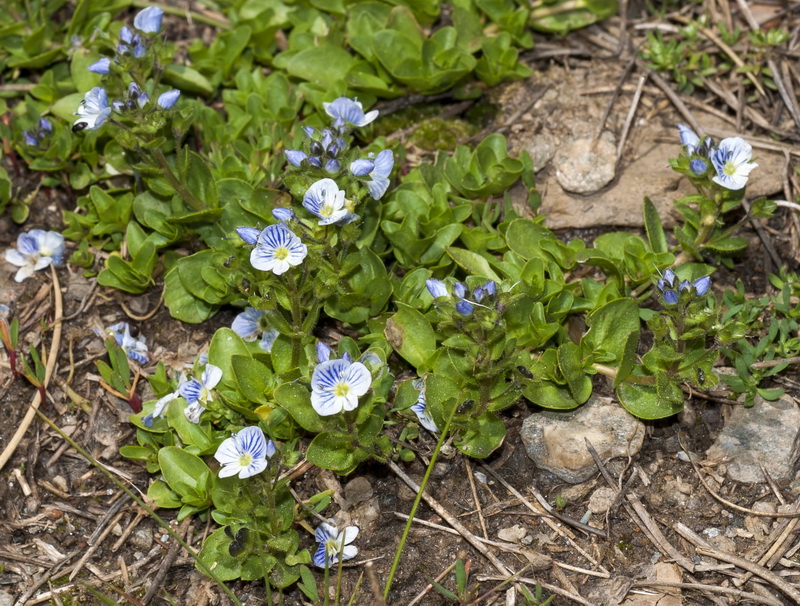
[585, 165]
[141, 539]
[542, 148]
[765, 434]
[601, 499]
[512, 534]
[357, 490]
[6, 599]
[556, 440]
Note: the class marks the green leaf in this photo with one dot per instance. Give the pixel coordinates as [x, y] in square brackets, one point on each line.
[611, 326]
[411, 335]
[296, 400]
[186, 474]
[571, 366]
[252, 377]
[482, 436]
[226, 345]
[628, 360]
[182, 304]
[473, 263]
[187, 79]
[551, 396]
[324, 65]
[162, 495]
[643, 401]
[655, 231]
[333, 450]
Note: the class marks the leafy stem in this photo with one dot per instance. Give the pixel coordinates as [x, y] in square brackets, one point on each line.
[176, 184]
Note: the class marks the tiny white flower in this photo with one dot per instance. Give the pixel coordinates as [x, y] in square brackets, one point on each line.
[198, 393]
[277, 249]
[333, 544]
[245, 453]
[731, 160]
[251, 323]
[421, 408]
[36, 250]
[336, 386]
[325, 200]
[93, 110]
[346, 111]
[136, 349]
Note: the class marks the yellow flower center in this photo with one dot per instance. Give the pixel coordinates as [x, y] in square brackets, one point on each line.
[245, 459]
[341, 390]
[281, 253]
[729, 169]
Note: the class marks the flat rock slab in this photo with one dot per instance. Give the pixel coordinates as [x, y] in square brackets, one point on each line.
[574, 150]
[556, 441]
[765, 434]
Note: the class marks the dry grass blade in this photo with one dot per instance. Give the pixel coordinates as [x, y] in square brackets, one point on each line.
[770, 577]
[738, 594]
[49, 368]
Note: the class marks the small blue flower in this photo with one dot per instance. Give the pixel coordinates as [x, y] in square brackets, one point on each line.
[421, 408]
[249, 234]
[325, 200]
[332, 166]
[333, 544]
[689, 139]
[159, 408]
[168, 99]
[361, 167]
[323, 352]
[384, 162]
[102, 66]
[283, 214]
[126, 35]
[200, 390]
[135, 349]
[346, 111]
[294, 157]
[702, 285]
[732, 162]
[149, 20]
[36, 250]
[698, 166]
[459, 290]
[464, 307]
[251, 323]
[245, 453]
[139, 50]
[137, 96]
[336, 386]
[437, 288]
[277, 249]
[93, 110]
[45, 125]
[30, 139]
[309, 131]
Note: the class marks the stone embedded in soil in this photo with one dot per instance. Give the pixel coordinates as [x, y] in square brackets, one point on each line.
[762, 435]
[585, 165]
[6, 599]
[602, 499]
[556, 441]
[512, 534]
[357, 490]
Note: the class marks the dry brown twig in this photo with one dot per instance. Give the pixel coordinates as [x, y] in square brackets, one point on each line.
[50, 365]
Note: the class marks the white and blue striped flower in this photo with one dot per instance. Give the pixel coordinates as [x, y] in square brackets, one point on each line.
[384, 162]
[334, 544]
[325, 200]
[732, 162]
[149, 20]
[689, 139]
[197, 393]
[421, 408]
[336, 385]
[251, 323]
[135, 349]
[36, 250]
[346, 111]
[93, 110]
[245, 453]
[277, 249]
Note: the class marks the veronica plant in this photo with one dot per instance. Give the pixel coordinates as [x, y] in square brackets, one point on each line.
[719, 172]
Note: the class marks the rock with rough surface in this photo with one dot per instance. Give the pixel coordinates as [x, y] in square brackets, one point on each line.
[765, 434]
[585, 165]
[556, 441]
